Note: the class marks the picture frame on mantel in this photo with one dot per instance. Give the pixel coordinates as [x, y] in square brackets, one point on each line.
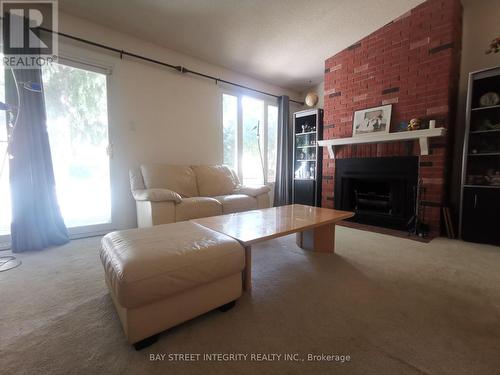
[372, 121]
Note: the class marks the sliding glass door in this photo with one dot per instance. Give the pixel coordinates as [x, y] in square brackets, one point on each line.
[5, 211]
[77, 123]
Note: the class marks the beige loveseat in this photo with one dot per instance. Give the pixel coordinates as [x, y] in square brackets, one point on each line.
[171, 193]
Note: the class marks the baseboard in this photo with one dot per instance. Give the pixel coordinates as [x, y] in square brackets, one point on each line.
[5, 245]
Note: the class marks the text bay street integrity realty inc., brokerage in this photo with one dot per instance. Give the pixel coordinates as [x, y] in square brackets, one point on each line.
[251, 357]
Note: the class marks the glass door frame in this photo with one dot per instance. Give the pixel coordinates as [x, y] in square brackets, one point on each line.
[5, 239]
[91, 66]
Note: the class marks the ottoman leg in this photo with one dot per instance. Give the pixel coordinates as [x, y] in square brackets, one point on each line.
[227, 306]
[146, 342]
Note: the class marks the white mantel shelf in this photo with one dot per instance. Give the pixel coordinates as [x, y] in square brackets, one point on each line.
[422, 136]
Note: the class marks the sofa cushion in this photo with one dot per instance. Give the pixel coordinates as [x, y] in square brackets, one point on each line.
[237, 203]
[214, 180]
[253, 191]
[156, 195]
[196, 207]
[178, 178]
[148, 264]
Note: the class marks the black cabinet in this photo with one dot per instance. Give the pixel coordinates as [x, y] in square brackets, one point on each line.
[307, 157]
[481, 211]
[305, 192]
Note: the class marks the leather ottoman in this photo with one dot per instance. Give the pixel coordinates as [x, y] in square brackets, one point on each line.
[164, 275]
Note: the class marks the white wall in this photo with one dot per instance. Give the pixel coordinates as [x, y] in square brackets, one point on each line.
[155, 114]
[481, 23]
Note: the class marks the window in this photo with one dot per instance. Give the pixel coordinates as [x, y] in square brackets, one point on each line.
[230, 125]
[250, 128]
[253, 133]
[272, 141]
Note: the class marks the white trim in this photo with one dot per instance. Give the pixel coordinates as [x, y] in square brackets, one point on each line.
[240, 92]
[422, 135]
[74, 234]
[90, 230]
[5, 242]
[81, 57]
[84, 64]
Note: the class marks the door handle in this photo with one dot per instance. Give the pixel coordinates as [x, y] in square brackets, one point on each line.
[475, 200]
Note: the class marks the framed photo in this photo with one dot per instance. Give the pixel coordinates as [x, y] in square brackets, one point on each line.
[372, 121]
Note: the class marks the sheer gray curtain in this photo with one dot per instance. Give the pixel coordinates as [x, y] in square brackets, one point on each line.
[36, 219]
[283, 186]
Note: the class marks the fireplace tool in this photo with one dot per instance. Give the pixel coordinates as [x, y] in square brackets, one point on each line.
[416, 225]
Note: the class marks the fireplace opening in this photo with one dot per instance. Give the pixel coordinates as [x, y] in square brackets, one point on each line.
[373, 196]
[381, 191]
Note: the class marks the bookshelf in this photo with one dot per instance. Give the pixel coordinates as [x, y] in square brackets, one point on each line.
[480, 188]
[307, 157]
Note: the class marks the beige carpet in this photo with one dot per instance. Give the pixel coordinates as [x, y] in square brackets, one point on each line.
[395, 306]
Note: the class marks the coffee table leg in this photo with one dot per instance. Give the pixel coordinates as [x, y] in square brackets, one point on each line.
[247, 272]
[320, 239]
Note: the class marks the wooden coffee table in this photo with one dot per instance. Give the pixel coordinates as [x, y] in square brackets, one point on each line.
[315, 228]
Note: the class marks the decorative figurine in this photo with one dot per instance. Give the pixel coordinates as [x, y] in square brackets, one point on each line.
[414, 124]
[493, 177]
[489, 99]
[312, 171]
[494, 46]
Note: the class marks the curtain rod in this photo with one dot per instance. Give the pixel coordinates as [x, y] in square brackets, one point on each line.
[179, 68]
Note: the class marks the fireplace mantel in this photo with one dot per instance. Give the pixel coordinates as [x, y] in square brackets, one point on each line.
[422, 136]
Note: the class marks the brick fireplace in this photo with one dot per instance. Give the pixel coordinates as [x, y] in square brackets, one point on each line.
[413, 64]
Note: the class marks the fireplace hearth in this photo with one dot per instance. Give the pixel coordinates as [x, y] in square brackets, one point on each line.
[381, 191]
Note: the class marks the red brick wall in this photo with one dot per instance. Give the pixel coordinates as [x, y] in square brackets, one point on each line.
[412, 63]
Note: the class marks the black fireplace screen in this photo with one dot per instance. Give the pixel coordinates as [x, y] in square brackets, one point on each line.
[380, 190]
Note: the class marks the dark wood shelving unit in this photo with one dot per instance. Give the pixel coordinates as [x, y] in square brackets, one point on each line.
[307, 157]
[480, 190]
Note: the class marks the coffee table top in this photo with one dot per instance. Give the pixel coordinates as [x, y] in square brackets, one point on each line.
[254, 226]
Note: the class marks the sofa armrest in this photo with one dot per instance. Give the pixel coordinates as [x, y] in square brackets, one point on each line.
[156, 195]
[252, 191]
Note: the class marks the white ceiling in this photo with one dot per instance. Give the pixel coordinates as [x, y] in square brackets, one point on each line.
[283, 42]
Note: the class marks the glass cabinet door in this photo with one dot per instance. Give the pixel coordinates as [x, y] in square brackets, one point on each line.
[305, 156]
